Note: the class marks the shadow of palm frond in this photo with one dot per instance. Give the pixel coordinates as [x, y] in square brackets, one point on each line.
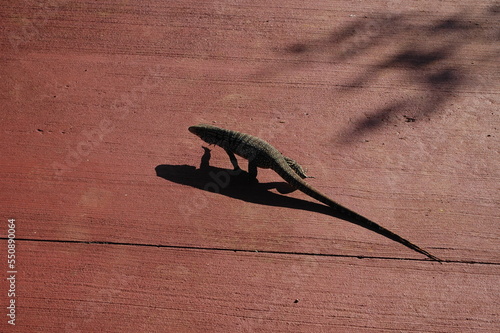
[424, 53]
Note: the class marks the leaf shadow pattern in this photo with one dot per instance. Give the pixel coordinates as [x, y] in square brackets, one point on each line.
[237, 185]
[425, 53]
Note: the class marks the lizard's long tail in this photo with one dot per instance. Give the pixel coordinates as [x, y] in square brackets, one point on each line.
[295, 181]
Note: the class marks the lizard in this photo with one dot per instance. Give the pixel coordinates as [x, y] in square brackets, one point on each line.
[261, 154]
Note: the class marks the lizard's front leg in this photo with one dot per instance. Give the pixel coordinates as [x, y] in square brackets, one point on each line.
[233, 160]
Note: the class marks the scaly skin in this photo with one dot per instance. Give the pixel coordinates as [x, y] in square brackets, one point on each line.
[261, 154]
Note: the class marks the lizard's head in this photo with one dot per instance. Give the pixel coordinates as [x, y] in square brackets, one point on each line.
[208, 133]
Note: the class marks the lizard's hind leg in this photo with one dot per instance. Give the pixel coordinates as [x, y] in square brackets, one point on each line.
[297, 168]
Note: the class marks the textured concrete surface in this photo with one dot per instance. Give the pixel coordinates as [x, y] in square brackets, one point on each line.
[392, 107]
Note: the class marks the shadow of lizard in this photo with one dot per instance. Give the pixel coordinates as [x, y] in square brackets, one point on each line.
[239, 185]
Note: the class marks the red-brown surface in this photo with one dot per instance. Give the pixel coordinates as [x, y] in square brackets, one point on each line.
[392, 106]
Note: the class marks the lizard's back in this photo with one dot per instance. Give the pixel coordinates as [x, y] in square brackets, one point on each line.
[260, 152]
